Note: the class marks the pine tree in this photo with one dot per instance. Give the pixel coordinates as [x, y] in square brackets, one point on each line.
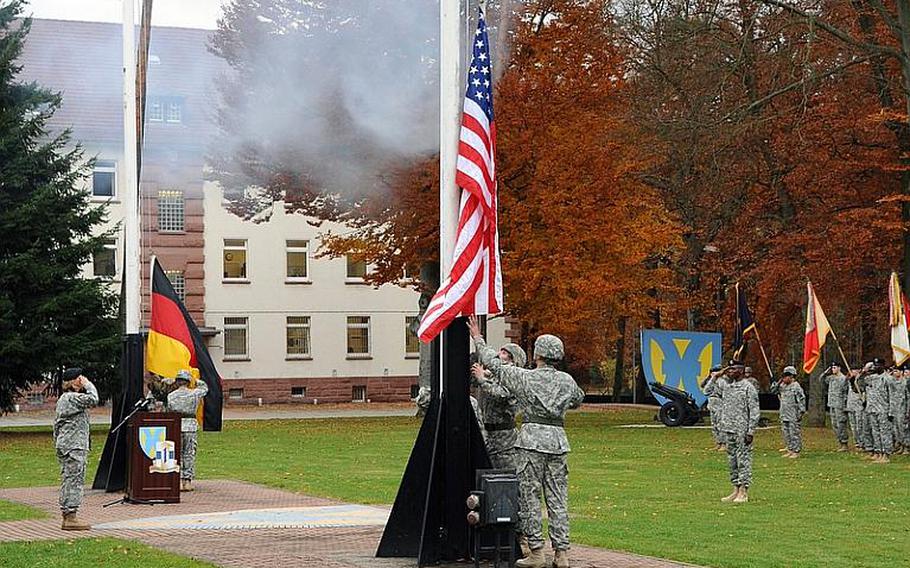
[50, 317]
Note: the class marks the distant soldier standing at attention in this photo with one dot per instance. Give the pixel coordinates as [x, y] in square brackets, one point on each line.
[71, 441]
[878, 410]
[185, 401]
[712, 387]
[897, 400]
[855, 412]
[748, 376]
[792, 408]
[838, 385]
[544, 395]
[740, 414]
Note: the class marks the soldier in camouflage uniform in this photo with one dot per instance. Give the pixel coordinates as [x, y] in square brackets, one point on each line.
[544, 395]
[838, 385]
[855, 412]
[712, 387]
[878, 411]
[186, 400]
[71, 441]
[792, 408]
[739, 419]
[497, 406]
[897, 399]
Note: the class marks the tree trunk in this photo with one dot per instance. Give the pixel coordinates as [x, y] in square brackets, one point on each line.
[816, 400]
[619, 371]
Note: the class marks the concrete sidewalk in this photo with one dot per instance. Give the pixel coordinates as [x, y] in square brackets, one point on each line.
[350, 545]
[102, 415]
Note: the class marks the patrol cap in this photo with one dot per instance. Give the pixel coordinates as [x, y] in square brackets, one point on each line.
[183, 375]
[518, 354]
[549, 347]
[790, 370]
[71, 374]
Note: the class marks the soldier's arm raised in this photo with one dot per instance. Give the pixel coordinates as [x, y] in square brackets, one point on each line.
[80, 401]
[577, 398]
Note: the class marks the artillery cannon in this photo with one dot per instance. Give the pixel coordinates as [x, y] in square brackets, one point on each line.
[680, 408]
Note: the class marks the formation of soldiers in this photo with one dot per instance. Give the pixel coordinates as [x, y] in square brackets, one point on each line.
[538, 450]
[872, 404]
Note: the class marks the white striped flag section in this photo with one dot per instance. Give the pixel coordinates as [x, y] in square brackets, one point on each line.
[900, 341]
[817, 330]
[474, 285]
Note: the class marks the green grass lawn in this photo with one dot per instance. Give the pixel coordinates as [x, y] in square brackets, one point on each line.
[89, 553]
[652, 491]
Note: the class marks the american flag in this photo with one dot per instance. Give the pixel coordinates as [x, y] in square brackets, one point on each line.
[474, 285]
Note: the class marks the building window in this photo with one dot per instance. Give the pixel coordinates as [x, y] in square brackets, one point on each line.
[174, 111]
[35, 399]
[104, 179]
[411, 342]
[359, 393]
[155, 110]
[298, 334]
[104, 261]
[298, 392]
[178, 281]
[235, 338]
[235, 394]
[296, 253]
[415, 391]
[170, 211]
[358, 336]
[357, 268]
[235, 259]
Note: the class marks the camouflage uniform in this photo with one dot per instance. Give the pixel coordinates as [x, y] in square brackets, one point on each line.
[739, 418]
[878, 409]
[837, 403]
[543, 396]
[185, 401]
[712, 389]
[497, 406]
[71, 441]
[855, 414]
[897, 400]
[792, 408]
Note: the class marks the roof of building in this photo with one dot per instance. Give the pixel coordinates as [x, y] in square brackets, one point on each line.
[83, 61]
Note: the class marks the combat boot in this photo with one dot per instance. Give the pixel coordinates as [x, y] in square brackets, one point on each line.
[562, 559]
[188, 486]
[792, 455]
[843, 448]
[533, 560]
[731, 497]
[73, 523]
[743, 496]
[523, 545]
[782, 450]
[884, 459]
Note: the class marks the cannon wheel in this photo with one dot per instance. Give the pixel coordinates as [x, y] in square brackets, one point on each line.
[672, 414]
[692, 417]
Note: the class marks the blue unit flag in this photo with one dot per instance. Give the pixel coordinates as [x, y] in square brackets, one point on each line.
[679, 359]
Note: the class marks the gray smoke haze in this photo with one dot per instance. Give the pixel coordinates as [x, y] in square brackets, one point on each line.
[329, 94]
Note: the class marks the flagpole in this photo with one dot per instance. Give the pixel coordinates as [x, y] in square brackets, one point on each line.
[841, 351]
[761, 348]
[130, 175]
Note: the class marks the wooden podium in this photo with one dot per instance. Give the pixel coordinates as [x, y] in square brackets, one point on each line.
[149, 480]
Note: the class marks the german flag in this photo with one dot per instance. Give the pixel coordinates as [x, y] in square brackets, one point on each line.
[174, 343]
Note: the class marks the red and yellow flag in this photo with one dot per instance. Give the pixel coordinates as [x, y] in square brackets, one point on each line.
[897, 319]
[817, 330]
[174, 344]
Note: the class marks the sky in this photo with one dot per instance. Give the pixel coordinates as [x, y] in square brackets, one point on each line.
[179, 13]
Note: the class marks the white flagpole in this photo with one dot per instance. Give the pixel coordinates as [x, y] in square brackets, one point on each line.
[450, 103]
[130, 193]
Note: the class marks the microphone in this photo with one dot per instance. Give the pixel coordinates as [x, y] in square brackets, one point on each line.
[149, 398]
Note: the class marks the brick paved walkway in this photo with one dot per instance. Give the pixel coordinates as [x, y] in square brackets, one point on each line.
[339, 547]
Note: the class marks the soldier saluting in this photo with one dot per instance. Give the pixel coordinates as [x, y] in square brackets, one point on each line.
[71, 441]
[185, 401]
[544, 395]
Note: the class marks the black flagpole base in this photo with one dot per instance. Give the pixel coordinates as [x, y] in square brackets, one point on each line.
[111, 474]
[429, 518]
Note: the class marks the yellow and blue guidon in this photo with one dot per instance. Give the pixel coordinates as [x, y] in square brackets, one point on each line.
[149, 436]
[679, 359]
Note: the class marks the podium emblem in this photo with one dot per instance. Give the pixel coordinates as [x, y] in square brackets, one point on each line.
[149, 437]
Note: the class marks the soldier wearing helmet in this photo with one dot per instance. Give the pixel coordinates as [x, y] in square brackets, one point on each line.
[497, 407]
[544, 395]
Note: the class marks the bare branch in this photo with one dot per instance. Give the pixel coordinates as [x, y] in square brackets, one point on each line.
[887, 17]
